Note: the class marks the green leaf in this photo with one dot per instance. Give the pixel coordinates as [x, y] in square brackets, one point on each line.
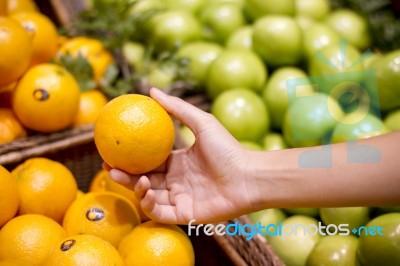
[80, 68]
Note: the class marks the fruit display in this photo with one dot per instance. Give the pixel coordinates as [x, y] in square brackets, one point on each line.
[276, 74]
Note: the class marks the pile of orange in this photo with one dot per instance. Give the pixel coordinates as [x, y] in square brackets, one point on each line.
[46, 220]
[36, 94]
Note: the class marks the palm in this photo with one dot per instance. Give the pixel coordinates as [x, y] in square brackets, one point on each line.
[194, 186]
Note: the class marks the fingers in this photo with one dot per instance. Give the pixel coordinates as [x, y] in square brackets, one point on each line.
[156, 211]
[188, 114]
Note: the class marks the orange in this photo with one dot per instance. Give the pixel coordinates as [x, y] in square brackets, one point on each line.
[13, 262]
[90, 104]
[153, 244]
[134, 133]
[103, 182]
[93, 50]
[113, 186]
[104, 214]
[15, 50]
[79, 194]
[47, 98]
[85, 250]
[15, 6]
[45, 186]
[28, 238]
[98, 182]
[45, 36]
[9, 196]
[10, 128]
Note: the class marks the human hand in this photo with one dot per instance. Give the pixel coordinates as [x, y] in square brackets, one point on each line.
[205, 182]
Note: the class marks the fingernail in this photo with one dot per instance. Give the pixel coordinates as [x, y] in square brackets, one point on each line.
[157, 91]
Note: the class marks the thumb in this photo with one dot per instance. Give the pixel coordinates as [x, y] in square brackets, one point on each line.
[188, 114]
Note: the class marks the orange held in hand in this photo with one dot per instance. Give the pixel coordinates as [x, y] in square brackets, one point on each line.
[134, 133]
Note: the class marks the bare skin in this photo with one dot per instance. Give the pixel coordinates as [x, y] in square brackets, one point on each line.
[217, 178]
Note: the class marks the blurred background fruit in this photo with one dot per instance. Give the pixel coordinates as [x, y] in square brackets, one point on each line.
[239, 69]
[15, 6]
[152, 243]
[92, 50]
[9, 196]
[44, 32]
[10, 127]
[104, 214]
[294, 245]
[277, 39]
[219, 20]
[353, 216]
[377, 249]
[28, 238]
[47, 98]
[334, 250]
[310, 119]
[90, 104]
[243, 114]
[75, 250]
[16, 50]
[42, 181]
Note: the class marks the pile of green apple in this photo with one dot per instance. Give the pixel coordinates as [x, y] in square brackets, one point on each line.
[284, 74]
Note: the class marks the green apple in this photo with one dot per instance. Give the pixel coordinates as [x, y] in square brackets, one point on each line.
[316, 37]
[335, 63]
[371, 59]
[353, 216]
[277, 39]
[172, 29]
[238, 2]
[241, 38]
[268, 216]
[333, 251]
[310, 119]
[303, 211]
[134, 54]
[235, 68]
[387, 71]
[187, 135]
[356, 126]
[304, 22]
[201, 54]
[375, 249]
[161, 76]
[193, 6]
[142, 6]
[316, 9]
[251, 145]
[275, 93]
[297, 240]
[255, 9]
[243, 114]
[274, 141]
[392, 120]
[351, 26]
[220, 20]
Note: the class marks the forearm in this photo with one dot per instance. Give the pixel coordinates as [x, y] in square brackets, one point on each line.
[282, 179]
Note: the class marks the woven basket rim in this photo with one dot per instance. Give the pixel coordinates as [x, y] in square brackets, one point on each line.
[39, 144]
